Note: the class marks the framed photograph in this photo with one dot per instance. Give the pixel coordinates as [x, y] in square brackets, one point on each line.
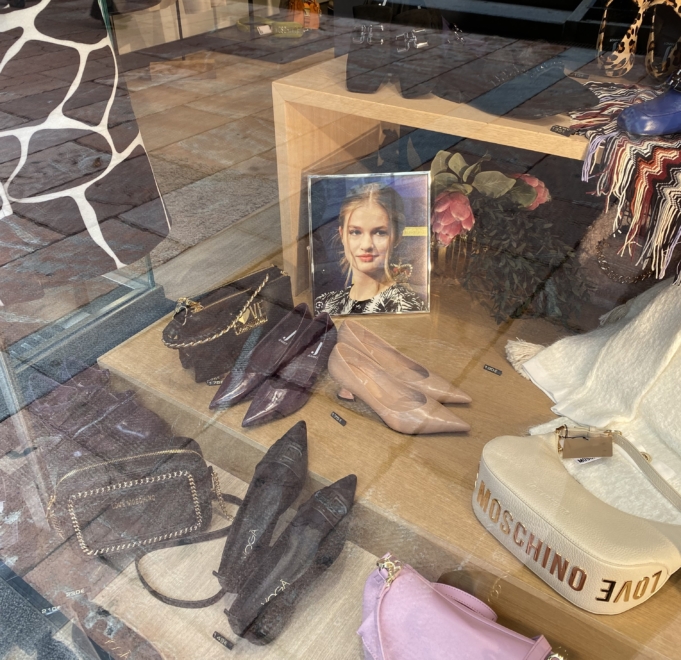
[370, 243]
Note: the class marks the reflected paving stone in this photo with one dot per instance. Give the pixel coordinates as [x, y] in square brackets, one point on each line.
[7, 120]
[130, 183]
[257, 167]
[159, 98]
[153, 220]
[479, 45]
[140, 79]
[77, 258]
[44, 139]
[529, 53]
[35, 83]
[51, 168]
[121, 111]
[10, 150]
[206, 84]
[201, 209]
[121, 136]
[19, 237]
[87, 94]
[170, 176]
[164, 128]
[60, 215]
[38, 106]
[240, 102]
[7, 39]
[565, 96]
[20, 66]
[222, 147]
[471, 80]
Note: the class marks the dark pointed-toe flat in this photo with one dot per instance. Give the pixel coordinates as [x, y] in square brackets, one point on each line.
[296, 551]
[278, 612]
[278, 479]
[276, 348]
[290, 388]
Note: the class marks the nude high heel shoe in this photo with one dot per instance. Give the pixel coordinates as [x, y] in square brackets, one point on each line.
[402, 407]
[399, 365]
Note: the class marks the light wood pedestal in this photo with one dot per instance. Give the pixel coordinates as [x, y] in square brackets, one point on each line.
[321, 127]
[414, 492]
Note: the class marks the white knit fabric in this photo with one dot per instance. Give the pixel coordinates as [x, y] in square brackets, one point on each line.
[625, 375]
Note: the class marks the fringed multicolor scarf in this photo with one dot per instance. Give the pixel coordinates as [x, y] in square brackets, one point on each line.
[642, 173]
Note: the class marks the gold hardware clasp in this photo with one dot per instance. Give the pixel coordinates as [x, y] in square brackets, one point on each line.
[392, 565]
[187, 304]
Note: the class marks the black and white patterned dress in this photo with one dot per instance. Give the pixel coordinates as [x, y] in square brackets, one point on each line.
[396, 299]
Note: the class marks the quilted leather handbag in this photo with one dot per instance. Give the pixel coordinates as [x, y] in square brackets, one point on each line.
[599, 558]
[406, 617]
[214, 330]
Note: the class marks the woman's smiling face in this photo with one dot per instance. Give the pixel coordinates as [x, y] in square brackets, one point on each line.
[367, 241]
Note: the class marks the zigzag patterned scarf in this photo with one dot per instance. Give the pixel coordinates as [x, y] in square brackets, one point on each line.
[643, 175]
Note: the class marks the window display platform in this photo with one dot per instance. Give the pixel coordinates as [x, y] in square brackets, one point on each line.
[414, 492]
[321, 127]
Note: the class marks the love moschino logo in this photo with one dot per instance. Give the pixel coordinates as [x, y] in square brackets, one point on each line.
[540, 552]
[612, 590]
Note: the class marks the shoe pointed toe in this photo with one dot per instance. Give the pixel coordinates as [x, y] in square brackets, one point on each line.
[235, 389]
[441, 420]
[346, 487]
[454, 395]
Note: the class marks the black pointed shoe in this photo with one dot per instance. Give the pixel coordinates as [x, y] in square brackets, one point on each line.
[290, 388]
[278, 479]
[296, 551]
[278, 612]
[277, 347]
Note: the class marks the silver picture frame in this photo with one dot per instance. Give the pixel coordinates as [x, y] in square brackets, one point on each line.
[403, 276]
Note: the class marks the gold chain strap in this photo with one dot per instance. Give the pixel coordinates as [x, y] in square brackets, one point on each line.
[217, 335]
[218, 493]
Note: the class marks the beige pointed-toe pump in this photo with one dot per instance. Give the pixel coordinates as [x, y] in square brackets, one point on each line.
[402, 407]
[399, 365]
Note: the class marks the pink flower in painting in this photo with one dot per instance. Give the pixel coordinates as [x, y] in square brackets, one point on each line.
[542, 191]
[451, 216]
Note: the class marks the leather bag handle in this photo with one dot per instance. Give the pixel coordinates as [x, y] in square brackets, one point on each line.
[190, 540]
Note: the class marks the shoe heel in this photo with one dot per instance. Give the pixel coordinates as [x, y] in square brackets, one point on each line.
[345, 395]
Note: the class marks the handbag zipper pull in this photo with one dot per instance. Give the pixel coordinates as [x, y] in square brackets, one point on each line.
[392, 566]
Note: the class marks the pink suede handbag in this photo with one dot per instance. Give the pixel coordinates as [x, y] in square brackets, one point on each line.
[406, 617]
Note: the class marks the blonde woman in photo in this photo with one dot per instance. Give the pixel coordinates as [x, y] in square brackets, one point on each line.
[371, 221]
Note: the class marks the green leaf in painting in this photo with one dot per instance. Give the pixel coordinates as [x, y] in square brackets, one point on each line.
[523, 194]
[443, 182]
[461, 187]
[471, 171]
[457, 164]
[493, 184]
[439, 164]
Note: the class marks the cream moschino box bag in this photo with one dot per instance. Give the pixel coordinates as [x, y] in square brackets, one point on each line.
[600, 558]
